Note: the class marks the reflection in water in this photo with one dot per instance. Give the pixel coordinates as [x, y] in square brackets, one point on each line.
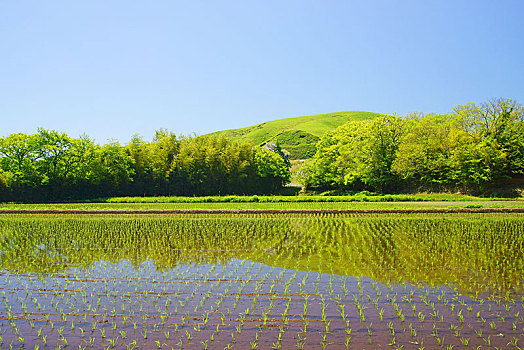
[261, 280]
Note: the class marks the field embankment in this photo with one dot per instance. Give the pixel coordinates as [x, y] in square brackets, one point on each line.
[357, 203]
[266, 208]
[272, 211]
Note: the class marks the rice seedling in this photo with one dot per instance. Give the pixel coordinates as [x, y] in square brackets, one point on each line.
[443, 278]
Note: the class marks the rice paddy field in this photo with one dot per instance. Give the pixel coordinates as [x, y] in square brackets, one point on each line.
[262, 281]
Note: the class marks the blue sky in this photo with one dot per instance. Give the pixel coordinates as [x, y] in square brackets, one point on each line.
[114, 68]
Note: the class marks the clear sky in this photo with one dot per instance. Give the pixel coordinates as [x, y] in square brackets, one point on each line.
[115, 68]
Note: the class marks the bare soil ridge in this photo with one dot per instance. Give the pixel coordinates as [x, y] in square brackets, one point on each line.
[272, 211]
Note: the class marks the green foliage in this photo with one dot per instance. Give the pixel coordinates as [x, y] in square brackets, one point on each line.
[475, 164]
[19, 153]
[423, 154]
[45, 163]
[209, 165]
[52, 166]
[63, 159]
[437, 153]
[152, 162]
[271, 165]
[300, 144]
[469, 150]
[360, 200]
[501, 121]
[472, 149]
[113, 166]
[451, 152]
[363, 196]
[297, 135]
[358, 155]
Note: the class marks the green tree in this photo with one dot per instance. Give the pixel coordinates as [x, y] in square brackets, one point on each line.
[384, 137]
[113, 169]
[327, 168]
[162, 151]
[212, 165]
[19, 154]
[64, 160]
[138, 150]
[476, 163]
[272, 167]
[358, 154]
[5, 185]
[449, 153]
[55, 158]
[502, 122]
[423, 155]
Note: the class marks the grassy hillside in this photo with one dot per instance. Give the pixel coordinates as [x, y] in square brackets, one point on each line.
[297, 135]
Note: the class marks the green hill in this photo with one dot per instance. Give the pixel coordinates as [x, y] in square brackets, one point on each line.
[297, 135]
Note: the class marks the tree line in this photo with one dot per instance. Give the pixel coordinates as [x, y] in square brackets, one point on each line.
[51, 166]
[471, 149]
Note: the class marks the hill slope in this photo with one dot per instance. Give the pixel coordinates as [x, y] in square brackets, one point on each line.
[297, 135]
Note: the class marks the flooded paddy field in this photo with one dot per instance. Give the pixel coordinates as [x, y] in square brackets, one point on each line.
[268, 281]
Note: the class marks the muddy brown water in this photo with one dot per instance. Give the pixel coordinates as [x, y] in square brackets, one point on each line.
[243, 304]
[271, 298]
